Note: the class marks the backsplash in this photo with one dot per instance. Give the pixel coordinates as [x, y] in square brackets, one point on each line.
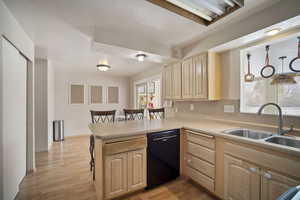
[216, 109]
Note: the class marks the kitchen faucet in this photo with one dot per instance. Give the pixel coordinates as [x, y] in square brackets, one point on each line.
[281, 131]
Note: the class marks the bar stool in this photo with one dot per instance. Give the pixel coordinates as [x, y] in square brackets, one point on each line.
[99, 117]
[158, 113]
[134, 114]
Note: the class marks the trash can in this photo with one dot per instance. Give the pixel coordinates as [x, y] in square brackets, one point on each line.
[58, 130]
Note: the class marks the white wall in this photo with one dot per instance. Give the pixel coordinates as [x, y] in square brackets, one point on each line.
[10, 28]
[14, 121]
[77, 117]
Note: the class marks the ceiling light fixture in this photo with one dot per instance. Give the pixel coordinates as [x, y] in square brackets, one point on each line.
[103, 67]
[273, 31]
[141, 57]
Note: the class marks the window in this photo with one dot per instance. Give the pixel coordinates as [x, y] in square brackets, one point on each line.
[261, 90]
[96, 96]
[76, 94]
[113, 95]
[148, 94]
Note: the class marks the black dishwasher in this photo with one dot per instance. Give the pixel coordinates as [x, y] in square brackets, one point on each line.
[162, 157]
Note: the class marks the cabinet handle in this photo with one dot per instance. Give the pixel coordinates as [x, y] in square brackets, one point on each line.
[267, 175]
[253, 169]
[200, 134]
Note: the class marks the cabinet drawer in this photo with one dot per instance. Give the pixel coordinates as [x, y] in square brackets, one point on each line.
[203, 180]
[201, 139]
[201, 165]
[201, 152]
[124, 146]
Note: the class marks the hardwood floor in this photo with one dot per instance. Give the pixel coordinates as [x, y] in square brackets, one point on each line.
[63, 174]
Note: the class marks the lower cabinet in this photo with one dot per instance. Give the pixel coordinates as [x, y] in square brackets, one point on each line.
[245, 181]
[274, 184]
[137, 170]
[115, 175]
[242, 181]
[124, 172]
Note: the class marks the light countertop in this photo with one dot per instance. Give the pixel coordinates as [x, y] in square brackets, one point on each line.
[209, 126]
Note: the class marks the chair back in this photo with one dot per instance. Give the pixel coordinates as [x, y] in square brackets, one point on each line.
[103, 116]
[158, 113]
[134, 114]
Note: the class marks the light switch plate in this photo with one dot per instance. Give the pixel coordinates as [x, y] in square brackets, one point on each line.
[191, 107]
[228, 108]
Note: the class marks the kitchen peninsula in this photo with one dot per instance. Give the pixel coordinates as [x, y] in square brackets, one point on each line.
[208, 155]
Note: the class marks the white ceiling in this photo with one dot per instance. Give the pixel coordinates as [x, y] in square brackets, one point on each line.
[79, 33]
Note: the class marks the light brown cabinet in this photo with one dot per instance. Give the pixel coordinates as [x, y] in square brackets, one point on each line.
[187, 79]
[268, 176]
[115, 175]
[274, 184]
[176, 81]
[137, 169]
[124, 173]
[195, 78]
[200, 86]
[242, 181]
[168, 82]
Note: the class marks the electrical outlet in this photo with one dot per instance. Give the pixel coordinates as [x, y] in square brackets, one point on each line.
[228, 108]
[191, 107]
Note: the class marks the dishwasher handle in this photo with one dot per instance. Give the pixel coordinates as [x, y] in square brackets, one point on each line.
[164, 139]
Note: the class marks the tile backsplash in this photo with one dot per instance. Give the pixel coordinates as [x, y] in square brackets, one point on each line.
[231, 111]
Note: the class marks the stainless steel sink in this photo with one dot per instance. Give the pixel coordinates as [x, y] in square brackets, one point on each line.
[247, 133]
[285, 141]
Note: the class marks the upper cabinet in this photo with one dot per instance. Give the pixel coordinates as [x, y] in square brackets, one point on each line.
[200, 71]
[167, 81]
[187, 79]
[176, 81]
[195, 78]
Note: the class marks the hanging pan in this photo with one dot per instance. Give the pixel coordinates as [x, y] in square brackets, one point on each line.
[264, 71]
[293, 62]
[249, 77]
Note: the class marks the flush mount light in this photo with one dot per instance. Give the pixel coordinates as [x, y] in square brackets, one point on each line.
[103, 67]
[273, 31]
[141, 57]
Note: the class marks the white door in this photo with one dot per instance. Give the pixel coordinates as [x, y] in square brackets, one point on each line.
[14, 119]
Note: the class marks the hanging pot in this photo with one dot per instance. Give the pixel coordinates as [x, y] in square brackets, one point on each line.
[249, 77]
[297, 58]
[267, 66]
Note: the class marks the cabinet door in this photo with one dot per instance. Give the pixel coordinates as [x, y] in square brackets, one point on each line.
[168, 81]
[187, 79]
[200, 66]
[137, 169]
[274, 184]
[241, 180]
[115, 175]
[176, 81]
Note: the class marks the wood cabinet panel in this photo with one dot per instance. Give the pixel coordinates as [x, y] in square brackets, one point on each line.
[241, 180]
[168, 81]
[137, 169]
[201, 165]
[115, 175]
[176, 74]
[200, 178]
[274, 184]
[200, 68]
[201, 139]
[187, 79]
[201, 152]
